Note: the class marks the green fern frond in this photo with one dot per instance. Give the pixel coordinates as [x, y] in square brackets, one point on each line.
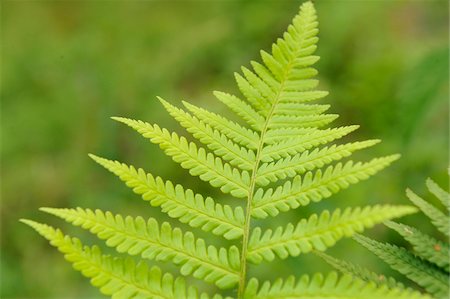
[357, 271]
[213, 139]
[301, 121]
[242, 109]
[135, 236]
[294, 109]
[232, 130]
[330, 286]
[307, 161]
[302, 190]
[439, 219]
[425, 246]
[424, 273]
[292, 146]
[179, 202]
[115, 276]
[317, 232]
[428, 263]
[281, 133]
[276, 136]
[256, 98]
[440, 193]
[199, 162]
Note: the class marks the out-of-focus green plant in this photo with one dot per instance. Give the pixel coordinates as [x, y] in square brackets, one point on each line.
[427, 264]
[280, 141]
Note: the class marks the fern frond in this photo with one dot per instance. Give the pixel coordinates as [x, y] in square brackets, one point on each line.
[317, 232]
[425, 274]
[221, 146]
[276, 136]
[283, 76]
[178, 202]
[300, 191]
[307, 161]
[439, 219]
[115, 276]
[295, 145]
[426, 247]
[440, 193]
[294, 109]
[301, 121]
[232, 130]
[245, 111]
[299, 97]
[138, 237]
[358, 271]
[281, 136]
[330, 286]
[199, 162]
[255, 97]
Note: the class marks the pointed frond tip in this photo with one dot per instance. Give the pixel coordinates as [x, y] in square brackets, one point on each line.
[150, 240]
[119, 277]
[179, 202]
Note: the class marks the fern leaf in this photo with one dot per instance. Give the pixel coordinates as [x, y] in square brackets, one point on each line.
[199, 162]
[138, 237]
[265, 91]
[282, 138]
[426, 247]
[294, 109]
[278, 79]
[276, 136]
[330, 286]
[317, 232]
[232, 130]
[265, 75]
[439, 219]
[253, 95]
[440, 193]
[307, 161]
[115, 276]
[311, 187]
[293, 146]
[221, 146]
[359, 272]
[303, 121]
[425, 274]
[245, 111]
[279, 135]
[178, 202]
[299, 97]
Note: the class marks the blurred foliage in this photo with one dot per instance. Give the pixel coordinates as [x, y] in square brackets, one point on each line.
[67, 66]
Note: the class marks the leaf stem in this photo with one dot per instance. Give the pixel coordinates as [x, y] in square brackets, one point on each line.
[248, 210]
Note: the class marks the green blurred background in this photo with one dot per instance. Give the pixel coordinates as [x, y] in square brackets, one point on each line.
[67, 66]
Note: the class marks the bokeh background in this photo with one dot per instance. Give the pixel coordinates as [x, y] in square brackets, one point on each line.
[67, 66]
